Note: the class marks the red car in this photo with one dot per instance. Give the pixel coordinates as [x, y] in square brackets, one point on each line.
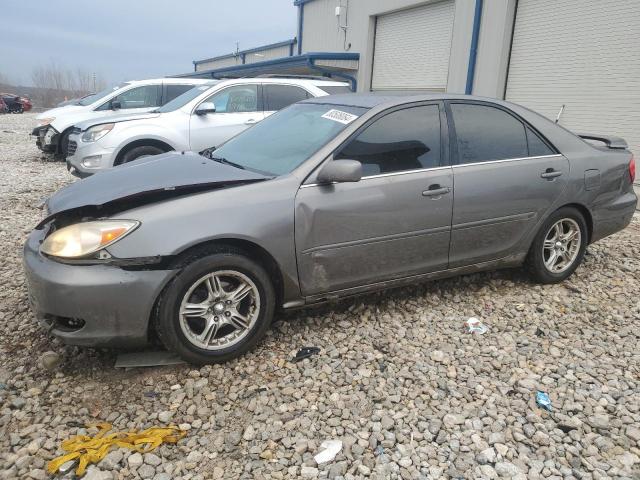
[15, 103]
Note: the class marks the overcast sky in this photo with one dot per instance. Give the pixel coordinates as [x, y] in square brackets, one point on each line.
[131, 39]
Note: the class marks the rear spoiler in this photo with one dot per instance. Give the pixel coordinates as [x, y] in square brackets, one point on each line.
[610, 142]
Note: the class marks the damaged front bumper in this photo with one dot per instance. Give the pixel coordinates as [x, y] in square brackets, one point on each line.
[46, 138]
[91, 305]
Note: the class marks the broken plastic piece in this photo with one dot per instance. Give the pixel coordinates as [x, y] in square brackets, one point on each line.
[306, 352]
[543, 400]
[149, 358]
[331, 449]
[475, 326]
[84, 450]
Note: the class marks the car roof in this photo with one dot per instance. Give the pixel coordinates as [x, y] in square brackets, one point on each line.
[370, 100]
[288, 81]
[175, 81]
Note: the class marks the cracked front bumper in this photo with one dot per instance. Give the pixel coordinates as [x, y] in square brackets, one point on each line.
[91, 305]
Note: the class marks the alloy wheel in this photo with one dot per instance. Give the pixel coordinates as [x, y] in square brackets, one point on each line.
[219, 309]
[561, 245]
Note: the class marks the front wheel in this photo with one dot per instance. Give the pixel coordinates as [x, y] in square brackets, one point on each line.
[141, 152]
[559, 246]
[217, 308]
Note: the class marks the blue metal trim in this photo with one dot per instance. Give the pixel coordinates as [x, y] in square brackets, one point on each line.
[249, 50]
[297, 3]
[244, 58]
[351, 79]
[299, 60]
[291, 50]
[473, 52]
[300, 24]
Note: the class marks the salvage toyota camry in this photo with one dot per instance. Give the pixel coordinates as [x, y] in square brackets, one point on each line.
[328, 198]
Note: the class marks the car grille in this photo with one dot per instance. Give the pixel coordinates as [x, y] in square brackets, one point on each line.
[71, 149]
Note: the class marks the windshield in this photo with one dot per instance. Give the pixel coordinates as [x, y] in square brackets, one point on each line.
[89, 99]
[186, 97]
[335, 89]
[286, 139]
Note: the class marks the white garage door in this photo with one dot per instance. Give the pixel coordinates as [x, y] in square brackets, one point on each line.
[584, 55]
[412, 47]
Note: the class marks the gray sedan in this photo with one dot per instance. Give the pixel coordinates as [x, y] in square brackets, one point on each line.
[329, 198]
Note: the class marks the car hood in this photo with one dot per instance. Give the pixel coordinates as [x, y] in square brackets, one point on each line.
[123, 117]
[147, 180]
[64, 110]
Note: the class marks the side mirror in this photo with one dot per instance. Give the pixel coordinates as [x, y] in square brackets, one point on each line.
[340, 171]
[205, 107]
[115, 104]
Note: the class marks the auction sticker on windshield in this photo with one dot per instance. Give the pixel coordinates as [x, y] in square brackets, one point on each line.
[340, 116]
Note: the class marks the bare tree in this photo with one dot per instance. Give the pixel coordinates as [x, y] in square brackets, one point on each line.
[56, 82]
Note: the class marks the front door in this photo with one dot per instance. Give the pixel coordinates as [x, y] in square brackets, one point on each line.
[237, 108]
[507, 178]
[393, 223]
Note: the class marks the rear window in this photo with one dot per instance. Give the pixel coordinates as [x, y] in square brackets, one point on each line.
[335, 89]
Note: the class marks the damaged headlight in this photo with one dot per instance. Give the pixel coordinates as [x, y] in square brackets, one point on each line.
[85, 238]
[96, 132]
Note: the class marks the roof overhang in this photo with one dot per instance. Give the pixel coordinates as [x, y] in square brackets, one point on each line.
[333, 64]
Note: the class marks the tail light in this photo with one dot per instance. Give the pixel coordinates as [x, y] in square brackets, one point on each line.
[632, 169]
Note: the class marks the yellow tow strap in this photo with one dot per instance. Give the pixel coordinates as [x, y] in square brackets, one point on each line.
[85, 449]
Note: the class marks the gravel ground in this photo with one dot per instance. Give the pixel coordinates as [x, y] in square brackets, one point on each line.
[398, 381]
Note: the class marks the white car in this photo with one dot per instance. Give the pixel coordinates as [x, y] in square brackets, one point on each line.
[138, 96]
[201, 118]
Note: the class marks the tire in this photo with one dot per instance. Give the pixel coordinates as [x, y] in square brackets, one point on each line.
[139, 152]
[64, 145]
[541, 262]
[183, 333]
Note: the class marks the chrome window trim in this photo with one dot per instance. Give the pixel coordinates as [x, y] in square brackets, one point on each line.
[382, 175]
[407, 172]
[458, 165]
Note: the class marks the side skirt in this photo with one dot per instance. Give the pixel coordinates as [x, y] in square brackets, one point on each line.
[506, 262]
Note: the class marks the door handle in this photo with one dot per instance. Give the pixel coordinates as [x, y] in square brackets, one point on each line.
[251, 121]
[550, 174]
[435, 191]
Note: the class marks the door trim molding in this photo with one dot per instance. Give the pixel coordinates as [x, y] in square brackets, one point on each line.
[383, 175]
[495, 220]
[371, 240]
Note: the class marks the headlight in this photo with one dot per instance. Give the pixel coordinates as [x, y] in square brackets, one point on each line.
[45, 121]
[84, 238]
[97, 132]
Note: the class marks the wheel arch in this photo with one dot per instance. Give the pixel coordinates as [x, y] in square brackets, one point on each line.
[251, 249]
[586, 213]
[143, 142]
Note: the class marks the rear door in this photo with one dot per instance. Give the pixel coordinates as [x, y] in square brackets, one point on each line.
[237, 108]
[393, 223]
[506, 176]
[277, 97]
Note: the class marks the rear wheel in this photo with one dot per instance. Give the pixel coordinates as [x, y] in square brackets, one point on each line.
[141, 152]
[217, 308]
[559, 246]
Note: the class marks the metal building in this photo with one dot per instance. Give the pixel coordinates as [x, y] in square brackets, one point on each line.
[575, 56]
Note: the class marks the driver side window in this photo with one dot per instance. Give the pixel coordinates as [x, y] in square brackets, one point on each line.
[407, 139]
[140, 97]
[240, 98]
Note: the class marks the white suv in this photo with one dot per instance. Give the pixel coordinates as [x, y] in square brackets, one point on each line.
[201, 118]
[139, 96]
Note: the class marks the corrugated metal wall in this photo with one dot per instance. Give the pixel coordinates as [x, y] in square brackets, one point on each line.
[250, 57]
[322, 32]
[412, 48]
[586, 55]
